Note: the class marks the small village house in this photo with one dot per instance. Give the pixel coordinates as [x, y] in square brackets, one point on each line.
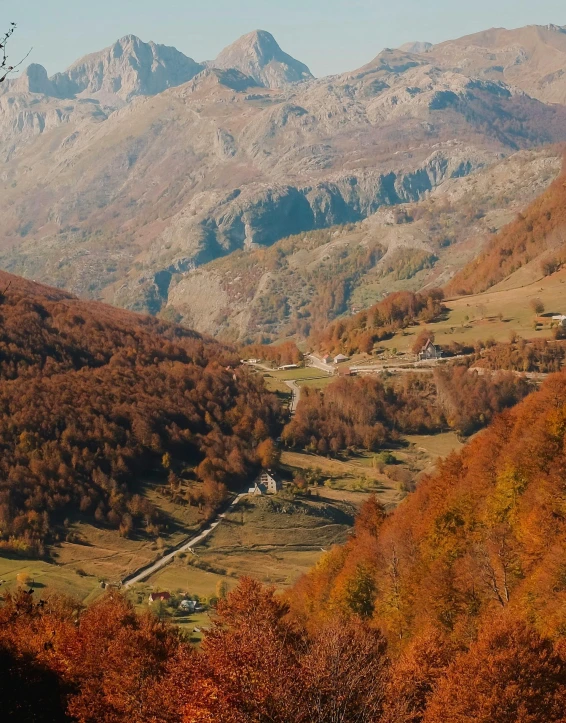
[190, 606]
[430, 351]
[159, 597]
[266, 483]
[340, 358]
[327, 359]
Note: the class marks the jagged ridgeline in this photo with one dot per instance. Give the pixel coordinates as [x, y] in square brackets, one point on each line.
[138, 164]
[92, 399]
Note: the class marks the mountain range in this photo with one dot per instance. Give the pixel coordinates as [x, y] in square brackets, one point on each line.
[125, 176]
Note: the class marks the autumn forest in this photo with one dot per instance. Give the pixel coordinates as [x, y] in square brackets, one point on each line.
[451, 608]
[91, 397]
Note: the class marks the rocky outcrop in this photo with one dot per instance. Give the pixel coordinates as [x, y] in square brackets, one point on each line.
[446, 228]
[127, 69]
[262, 215]
[416, 47]
[34, 80]
[259, 56]
[532, 58]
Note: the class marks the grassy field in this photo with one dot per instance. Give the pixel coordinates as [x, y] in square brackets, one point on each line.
[367, 473]
[478, 317]
[273, 539]
[276, 539]
[435, 445]
[76, 568]
[305, 376]
[48, 578]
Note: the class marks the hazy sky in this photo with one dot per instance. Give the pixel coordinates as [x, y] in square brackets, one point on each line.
[331, 36]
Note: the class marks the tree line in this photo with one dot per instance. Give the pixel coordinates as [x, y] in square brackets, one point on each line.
[397, 311]
[260, 662]
[280, 354]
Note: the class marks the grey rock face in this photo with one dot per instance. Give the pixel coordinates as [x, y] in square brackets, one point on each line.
[416, 47]
[259, 56]
[128, 68]
[34, 80]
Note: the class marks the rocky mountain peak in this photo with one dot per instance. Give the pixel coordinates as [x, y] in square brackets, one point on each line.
[128, 68]
[416, 47]
[259, 56]
[33, 80]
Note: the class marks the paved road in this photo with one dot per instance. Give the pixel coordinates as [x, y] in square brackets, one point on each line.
[146, 572]
[389, 370]
[296, 391]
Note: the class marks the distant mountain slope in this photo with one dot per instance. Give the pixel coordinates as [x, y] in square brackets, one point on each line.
[92, 398]
[538, 235]
[304, 282]
[532, 58]
[259, 56]
[128, 68]
[115, 75]
[114, 191]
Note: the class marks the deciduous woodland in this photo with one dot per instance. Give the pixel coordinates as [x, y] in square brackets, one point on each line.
[279, 354]
[539, 356]
[366, 413]
[397, 311]
[92, 397]
[539, 231]
[449, 610]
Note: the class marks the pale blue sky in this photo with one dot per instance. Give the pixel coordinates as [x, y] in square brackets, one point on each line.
[331, 36]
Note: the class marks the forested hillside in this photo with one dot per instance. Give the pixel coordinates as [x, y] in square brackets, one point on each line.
[365, 413]
[537, 233]
[92, 398]
[397, 311]
[483, 536]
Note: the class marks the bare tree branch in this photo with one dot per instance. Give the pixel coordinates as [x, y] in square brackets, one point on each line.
[5, 67]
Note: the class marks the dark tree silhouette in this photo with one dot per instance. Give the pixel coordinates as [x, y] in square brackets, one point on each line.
[5, 67]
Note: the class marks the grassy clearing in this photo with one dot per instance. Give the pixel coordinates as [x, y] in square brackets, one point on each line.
[276, 539]
[181, 577]
[276, 385]
[436, 445]
[307, 376]
[477, 317]
[48, 578]
[342, 472]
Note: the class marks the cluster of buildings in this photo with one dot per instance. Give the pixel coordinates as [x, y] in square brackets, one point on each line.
[189, 606]
[334, 360]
